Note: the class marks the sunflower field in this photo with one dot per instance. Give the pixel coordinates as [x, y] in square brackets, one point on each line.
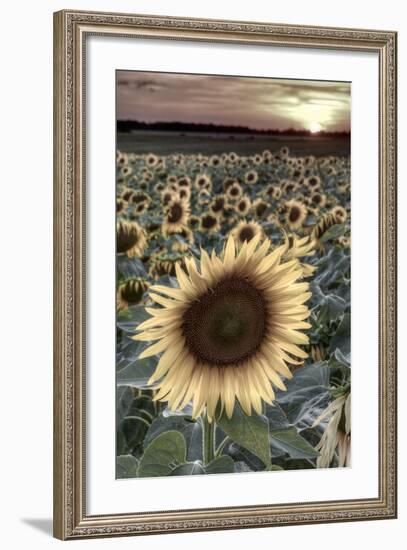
[233, 313]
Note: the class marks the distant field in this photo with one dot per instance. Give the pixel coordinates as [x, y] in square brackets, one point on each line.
[165, 143]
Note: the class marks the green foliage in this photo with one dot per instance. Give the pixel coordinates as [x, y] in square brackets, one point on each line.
[153, 441]
[251, 432]
[165, 454]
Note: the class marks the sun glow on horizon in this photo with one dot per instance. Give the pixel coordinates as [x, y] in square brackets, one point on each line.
[315, 127]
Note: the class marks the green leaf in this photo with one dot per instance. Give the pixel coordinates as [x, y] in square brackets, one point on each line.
[331, 307]
[333, 232]
[124, 399]
[290, 441]
[188, 469]
[137, 373]
[137, 421]
[189, 428]
[220, 465]
[128, 319]
[307, 395]
[251, 432]
[130, 267]
[164, 454]
[341, 339]
[126, 466]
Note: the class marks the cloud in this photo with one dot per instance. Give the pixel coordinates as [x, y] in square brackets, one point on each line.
[257, 102]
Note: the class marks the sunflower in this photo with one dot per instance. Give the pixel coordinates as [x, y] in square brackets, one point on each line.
[344, 241]
[336, 438]
[289, 186]
[217, 205]
[234, 191]
[121, 158]
[324, 223]
[313, 183]
[176, 216]
[172, 182]
[340, 214]
[184, 181]
[139, 197]
[273, 191]
[153, 227]
[229, 331]
[300, 248]
[185, 193]
[317, 352]
[259, 207]
[214, 160]
[127, 194]
[267, 155]
[246, 231]
[318, 200]
[167, 196]
[131, 292]
[296, 214]
[186, 234]
[251, 177]
[204, 197]
[131, 238]
[164, 264]
[140, 208]
[203, 181]
[243, 206]
[209, 223]
[159, 187]
[151, 160]
[120, 205]
[194, 222]
[125, 171]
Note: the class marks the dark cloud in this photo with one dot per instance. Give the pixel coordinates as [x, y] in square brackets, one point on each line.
[256, 102]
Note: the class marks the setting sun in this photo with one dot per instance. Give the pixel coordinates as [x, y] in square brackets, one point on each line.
[315, 127]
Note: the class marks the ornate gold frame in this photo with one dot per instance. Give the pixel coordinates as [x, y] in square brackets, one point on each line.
[70, 518]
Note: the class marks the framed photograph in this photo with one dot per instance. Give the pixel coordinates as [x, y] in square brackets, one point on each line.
[225, 274]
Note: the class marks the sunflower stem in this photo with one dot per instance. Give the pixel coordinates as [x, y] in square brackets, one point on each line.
[222, 445]
[208, 436]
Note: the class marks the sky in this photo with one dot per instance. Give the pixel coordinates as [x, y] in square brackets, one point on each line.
[262, 103]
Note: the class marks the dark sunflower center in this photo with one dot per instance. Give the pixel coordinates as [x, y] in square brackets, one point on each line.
[246, 234]
[138, 197]
[127, 195]
[226, 326]
[261, 208]
[218, 204]
[175, 213]
[242, 206]
[208, 222]
[132, 291]
[126, 239]
[234, 191]
[295, 213]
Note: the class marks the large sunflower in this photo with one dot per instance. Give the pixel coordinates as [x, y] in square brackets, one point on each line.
[230, 329]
